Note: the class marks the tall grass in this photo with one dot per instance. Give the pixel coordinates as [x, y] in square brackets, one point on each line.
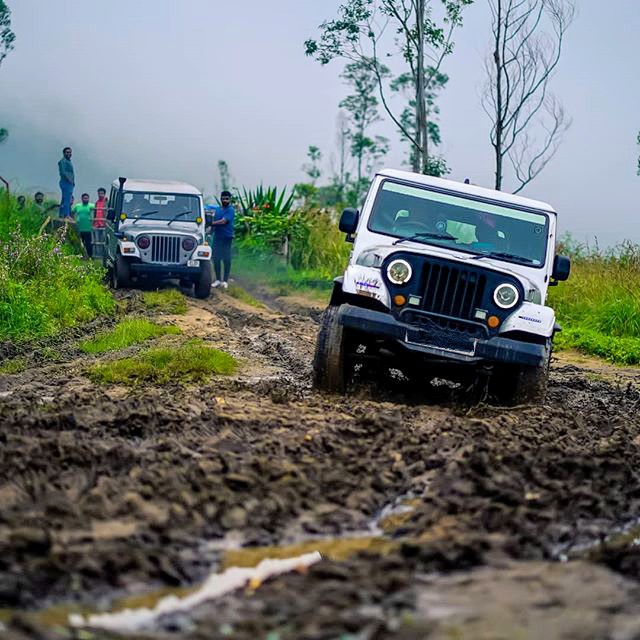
[44, 287]
[318, 245]
[599, 307]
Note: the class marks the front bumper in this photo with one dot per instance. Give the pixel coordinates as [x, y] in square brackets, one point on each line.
[164, 270]
[490, 350]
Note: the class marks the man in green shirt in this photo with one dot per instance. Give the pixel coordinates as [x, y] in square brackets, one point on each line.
[83, 214]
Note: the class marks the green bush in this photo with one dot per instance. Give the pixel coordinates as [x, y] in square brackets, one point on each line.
[44, 288]
[127, 333]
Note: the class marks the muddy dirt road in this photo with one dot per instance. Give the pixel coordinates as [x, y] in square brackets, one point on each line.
[433, 519]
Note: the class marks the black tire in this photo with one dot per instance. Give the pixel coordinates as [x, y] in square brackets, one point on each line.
[330, 364]
[203, 283]
[121, 273]
[520, 384]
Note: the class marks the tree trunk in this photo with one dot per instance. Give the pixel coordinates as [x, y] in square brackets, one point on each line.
[497, 58]
[421, 106]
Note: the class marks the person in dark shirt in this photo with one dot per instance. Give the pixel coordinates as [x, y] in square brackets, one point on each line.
[223, 220]
[67, 182]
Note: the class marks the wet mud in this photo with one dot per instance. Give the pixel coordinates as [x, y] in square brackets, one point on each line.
[435, 518]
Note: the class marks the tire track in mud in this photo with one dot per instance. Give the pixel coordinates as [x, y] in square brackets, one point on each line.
[109, 491]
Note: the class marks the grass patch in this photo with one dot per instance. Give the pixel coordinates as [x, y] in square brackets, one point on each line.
[165, 301]
[13, 366]
[619, 350]
[599, 307]
[193, 361]
[240, 294]
[125, 334]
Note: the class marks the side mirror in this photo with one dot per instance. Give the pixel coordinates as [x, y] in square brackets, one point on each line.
[561, 268]
[111, 214]
[349, 221]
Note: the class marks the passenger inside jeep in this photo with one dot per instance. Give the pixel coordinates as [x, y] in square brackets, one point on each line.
[475, 226]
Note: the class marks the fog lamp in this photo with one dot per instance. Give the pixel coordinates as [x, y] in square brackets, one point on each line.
[399, 300]
[493, 322]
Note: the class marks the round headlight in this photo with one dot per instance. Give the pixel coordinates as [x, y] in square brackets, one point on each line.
[506, 296]
[144, 242]
[188, 244]
[399, 271]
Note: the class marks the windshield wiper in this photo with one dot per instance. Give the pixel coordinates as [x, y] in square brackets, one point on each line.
[143, 215]
[428, 235]
[503, 254]
[183, 213]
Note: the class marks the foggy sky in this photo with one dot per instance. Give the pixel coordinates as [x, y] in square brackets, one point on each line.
[159, 88]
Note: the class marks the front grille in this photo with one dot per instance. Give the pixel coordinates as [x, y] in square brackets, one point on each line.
[427, 322]
[165, 249]
[446, 333]
[452, 290]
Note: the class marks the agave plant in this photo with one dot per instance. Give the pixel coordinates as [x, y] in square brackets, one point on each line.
[266, 217]
[266, 199]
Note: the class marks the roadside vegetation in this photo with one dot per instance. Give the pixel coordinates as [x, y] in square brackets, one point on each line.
[288, 244]
[192, 361]
[165, 301]
[125, 334]
[599, 307]
[45, 287]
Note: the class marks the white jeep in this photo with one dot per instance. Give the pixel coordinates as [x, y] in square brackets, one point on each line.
[157, 229]
[445, 280]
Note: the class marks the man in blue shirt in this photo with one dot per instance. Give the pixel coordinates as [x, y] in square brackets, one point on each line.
[67, 182]
[223, 220]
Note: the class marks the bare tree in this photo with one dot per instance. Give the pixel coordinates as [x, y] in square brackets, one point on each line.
[528, 122]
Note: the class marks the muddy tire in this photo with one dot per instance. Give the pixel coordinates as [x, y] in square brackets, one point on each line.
[121, 273]
[203, 283]
[330, 368]
[514, 385]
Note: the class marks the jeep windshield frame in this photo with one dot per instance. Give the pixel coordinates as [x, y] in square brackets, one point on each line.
[164, 206]
[504, 228]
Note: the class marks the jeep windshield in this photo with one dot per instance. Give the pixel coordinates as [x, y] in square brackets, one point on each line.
[456, 222]
[160, 206]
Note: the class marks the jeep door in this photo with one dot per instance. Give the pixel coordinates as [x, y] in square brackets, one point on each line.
[110, 241]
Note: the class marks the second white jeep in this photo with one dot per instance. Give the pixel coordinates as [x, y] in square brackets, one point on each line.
[157, 230]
